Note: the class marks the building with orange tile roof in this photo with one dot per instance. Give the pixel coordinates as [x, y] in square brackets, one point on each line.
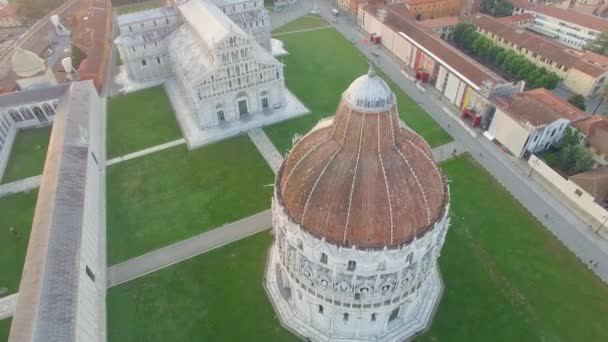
[568, 27]
[595, 134]
[531, 121]
[432, 9]
[583, 73]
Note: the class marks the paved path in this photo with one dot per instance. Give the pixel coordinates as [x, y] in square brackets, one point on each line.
[290, 13]
[266, 148]
[188, 248]
[560, 219]
[447, 151]
[302, 30]
[20, 186]
[146, 151]
[8, 305]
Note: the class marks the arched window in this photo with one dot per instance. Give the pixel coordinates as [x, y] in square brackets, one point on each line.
[48, 109]
[15, 115]
[144, 62]
[27, 113]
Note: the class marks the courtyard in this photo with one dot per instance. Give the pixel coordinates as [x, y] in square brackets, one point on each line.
[496, 265]
[16, 212]
[320, 66]
[174, 194]
[28, 154]
[140, 120]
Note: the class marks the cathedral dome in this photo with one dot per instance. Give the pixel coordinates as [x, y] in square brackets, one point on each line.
[369, 93]
[364, 179]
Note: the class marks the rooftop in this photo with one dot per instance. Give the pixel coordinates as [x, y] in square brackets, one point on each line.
[440, 22]
[210, 23]
[571, 16]
[595, 182]
[542, 46]
[426, 38]
[517, 18]
[362, 180]
[369, 93]
[539, 107]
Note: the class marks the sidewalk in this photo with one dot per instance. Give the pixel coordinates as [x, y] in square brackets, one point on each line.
[266, 148]
[20, 186]
[185, 249]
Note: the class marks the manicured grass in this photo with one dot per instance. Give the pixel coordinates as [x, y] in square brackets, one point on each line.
[320, 67]
[303, 23]
[174, 194]
[5, 327]
[140, 120]
[507, 278]
[16, 211]
[28, 154]
[141, 6]
[214, 297]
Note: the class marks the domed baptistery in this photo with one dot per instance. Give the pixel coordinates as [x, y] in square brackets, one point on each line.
[360, 212]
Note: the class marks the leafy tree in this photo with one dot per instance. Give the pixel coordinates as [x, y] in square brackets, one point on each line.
[600, 44]
[574, 157]
[496, 8]
[571, 137]
[77, 56]
[578, 101]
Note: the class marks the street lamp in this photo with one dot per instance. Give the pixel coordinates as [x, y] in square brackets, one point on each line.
[602, 225]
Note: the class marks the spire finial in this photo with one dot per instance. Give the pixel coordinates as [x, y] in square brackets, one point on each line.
[371, 72]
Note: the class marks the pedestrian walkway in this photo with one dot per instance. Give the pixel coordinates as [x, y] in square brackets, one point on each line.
[266, 148]
[188, 248]
[8, 305]
[145, 151]
[447, 151]
[278, 34]
[20, 186]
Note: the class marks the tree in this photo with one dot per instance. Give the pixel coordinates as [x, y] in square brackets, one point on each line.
[573, 157]
[496, 8]
[578, 101]
[600, 44]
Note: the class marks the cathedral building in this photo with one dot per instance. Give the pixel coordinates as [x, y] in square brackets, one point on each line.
[360, 213]
[217, 51]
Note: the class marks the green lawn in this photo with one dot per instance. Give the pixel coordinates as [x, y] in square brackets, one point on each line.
[321, 65]
[140, 6]
[174, 194]
[303, 23]
[16, 211]
[140, 120]
[214, 297]
[28, 154]
[5, 327]
[506, 277]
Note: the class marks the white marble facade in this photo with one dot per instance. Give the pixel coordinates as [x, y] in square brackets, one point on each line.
[218, 51]
[325, 292]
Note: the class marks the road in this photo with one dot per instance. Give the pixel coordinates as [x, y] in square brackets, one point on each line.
[556, 217]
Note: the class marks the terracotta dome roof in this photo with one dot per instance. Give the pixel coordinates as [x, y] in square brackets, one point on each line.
[364, 180]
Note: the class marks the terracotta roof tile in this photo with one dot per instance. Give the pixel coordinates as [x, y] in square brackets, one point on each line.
[595, 182]
[468, 67]
[362, 181]
[440, 22]
[537, 44]
[595, 129]
[539, 107]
